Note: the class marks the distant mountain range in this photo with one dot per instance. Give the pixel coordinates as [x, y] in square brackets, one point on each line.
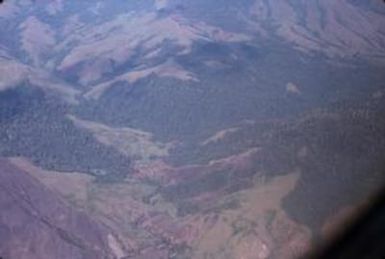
[93, 45]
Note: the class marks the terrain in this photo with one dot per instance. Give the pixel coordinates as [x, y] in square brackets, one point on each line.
[175, 129]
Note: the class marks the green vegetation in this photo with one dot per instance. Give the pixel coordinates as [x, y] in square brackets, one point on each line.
[35, 126]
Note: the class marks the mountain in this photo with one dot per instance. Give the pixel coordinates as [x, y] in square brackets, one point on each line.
[37, 223]
[187, 129]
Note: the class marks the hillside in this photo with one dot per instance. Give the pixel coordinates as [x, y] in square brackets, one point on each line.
[187, 129]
